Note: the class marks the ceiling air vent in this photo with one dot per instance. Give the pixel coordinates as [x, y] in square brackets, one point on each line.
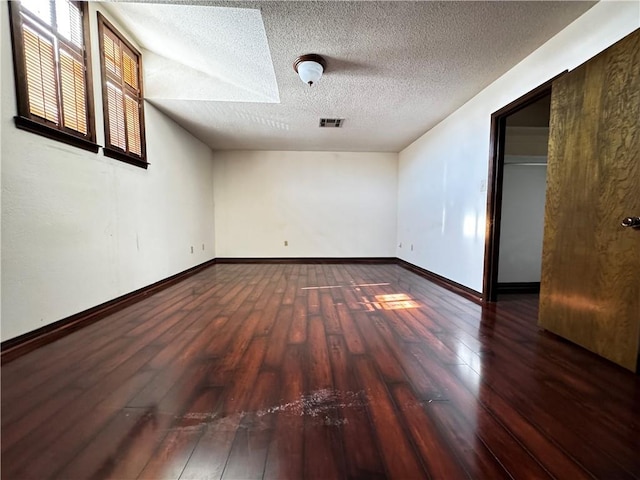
[331, 122]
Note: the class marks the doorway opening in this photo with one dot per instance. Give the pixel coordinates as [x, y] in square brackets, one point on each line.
[516, 195]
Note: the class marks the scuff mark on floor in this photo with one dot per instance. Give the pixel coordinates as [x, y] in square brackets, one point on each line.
[318, 403]
[322, 405]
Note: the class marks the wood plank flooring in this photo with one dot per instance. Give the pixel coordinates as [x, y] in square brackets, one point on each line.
[317, 372]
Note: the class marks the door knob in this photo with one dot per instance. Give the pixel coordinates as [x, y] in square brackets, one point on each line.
[633, 222]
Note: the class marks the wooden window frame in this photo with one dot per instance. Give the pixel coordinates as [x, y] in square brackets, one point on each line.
[25, 120]
[109, 149]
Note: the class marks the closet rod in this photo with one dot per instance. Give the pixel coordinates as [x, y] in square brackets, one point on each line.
[526, 164]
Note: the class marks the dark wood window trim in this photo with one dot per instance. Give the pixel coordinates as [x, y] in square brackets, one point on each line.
[118, 154]
[111, 150]
[27, 121]
[62, 136]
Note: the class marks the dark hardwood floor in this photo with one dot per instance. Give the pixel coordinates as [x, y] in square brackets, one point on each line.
[317, 371]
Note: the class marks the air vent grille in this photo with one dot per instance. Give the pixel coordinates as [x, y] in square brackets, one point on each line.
[331, 122]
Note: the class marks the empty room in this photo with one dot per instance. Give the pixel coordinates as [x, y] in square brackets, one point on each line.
[320, 239]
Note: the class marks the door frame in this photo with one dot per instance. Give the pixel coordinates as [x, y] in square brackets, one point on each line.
[494, 184]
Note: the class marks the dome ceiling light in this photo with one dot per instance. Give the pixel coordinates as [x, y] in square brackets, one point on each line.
[310, 67]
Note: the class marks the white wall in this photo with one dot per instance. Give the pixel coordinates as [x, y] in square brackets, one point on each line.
[79, 228]
[442, 175]
[3, 53]
[325, 204]
[523, 197]
[522, 225]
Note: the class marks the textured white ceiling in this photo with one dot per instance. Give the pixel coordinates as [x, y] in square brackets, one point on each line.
[395, 69]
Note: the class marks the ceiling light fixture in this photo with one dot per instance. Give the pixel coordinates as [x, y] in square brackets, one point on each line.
[310, 67]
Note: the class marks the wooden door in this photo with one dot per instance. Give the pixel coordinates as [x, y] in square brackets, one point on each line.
[590, 285]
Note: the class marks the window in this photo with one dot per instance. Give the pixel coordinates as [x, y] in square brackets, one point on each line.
[122, 96]
[52, 70]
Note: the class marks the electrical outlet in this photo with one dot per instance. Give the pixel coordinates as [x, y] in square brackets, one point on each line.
[203, 246]
[412, 247]
[400, 246]
[286, 243]
[191, 248]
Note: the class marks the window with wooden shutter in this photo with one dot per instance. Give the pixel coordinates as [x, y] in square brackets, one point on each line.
[122, 96]
[52, 70]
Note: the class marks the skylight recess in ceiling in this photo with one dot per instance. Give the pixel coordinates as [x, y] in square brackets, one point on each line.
[206, 53]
